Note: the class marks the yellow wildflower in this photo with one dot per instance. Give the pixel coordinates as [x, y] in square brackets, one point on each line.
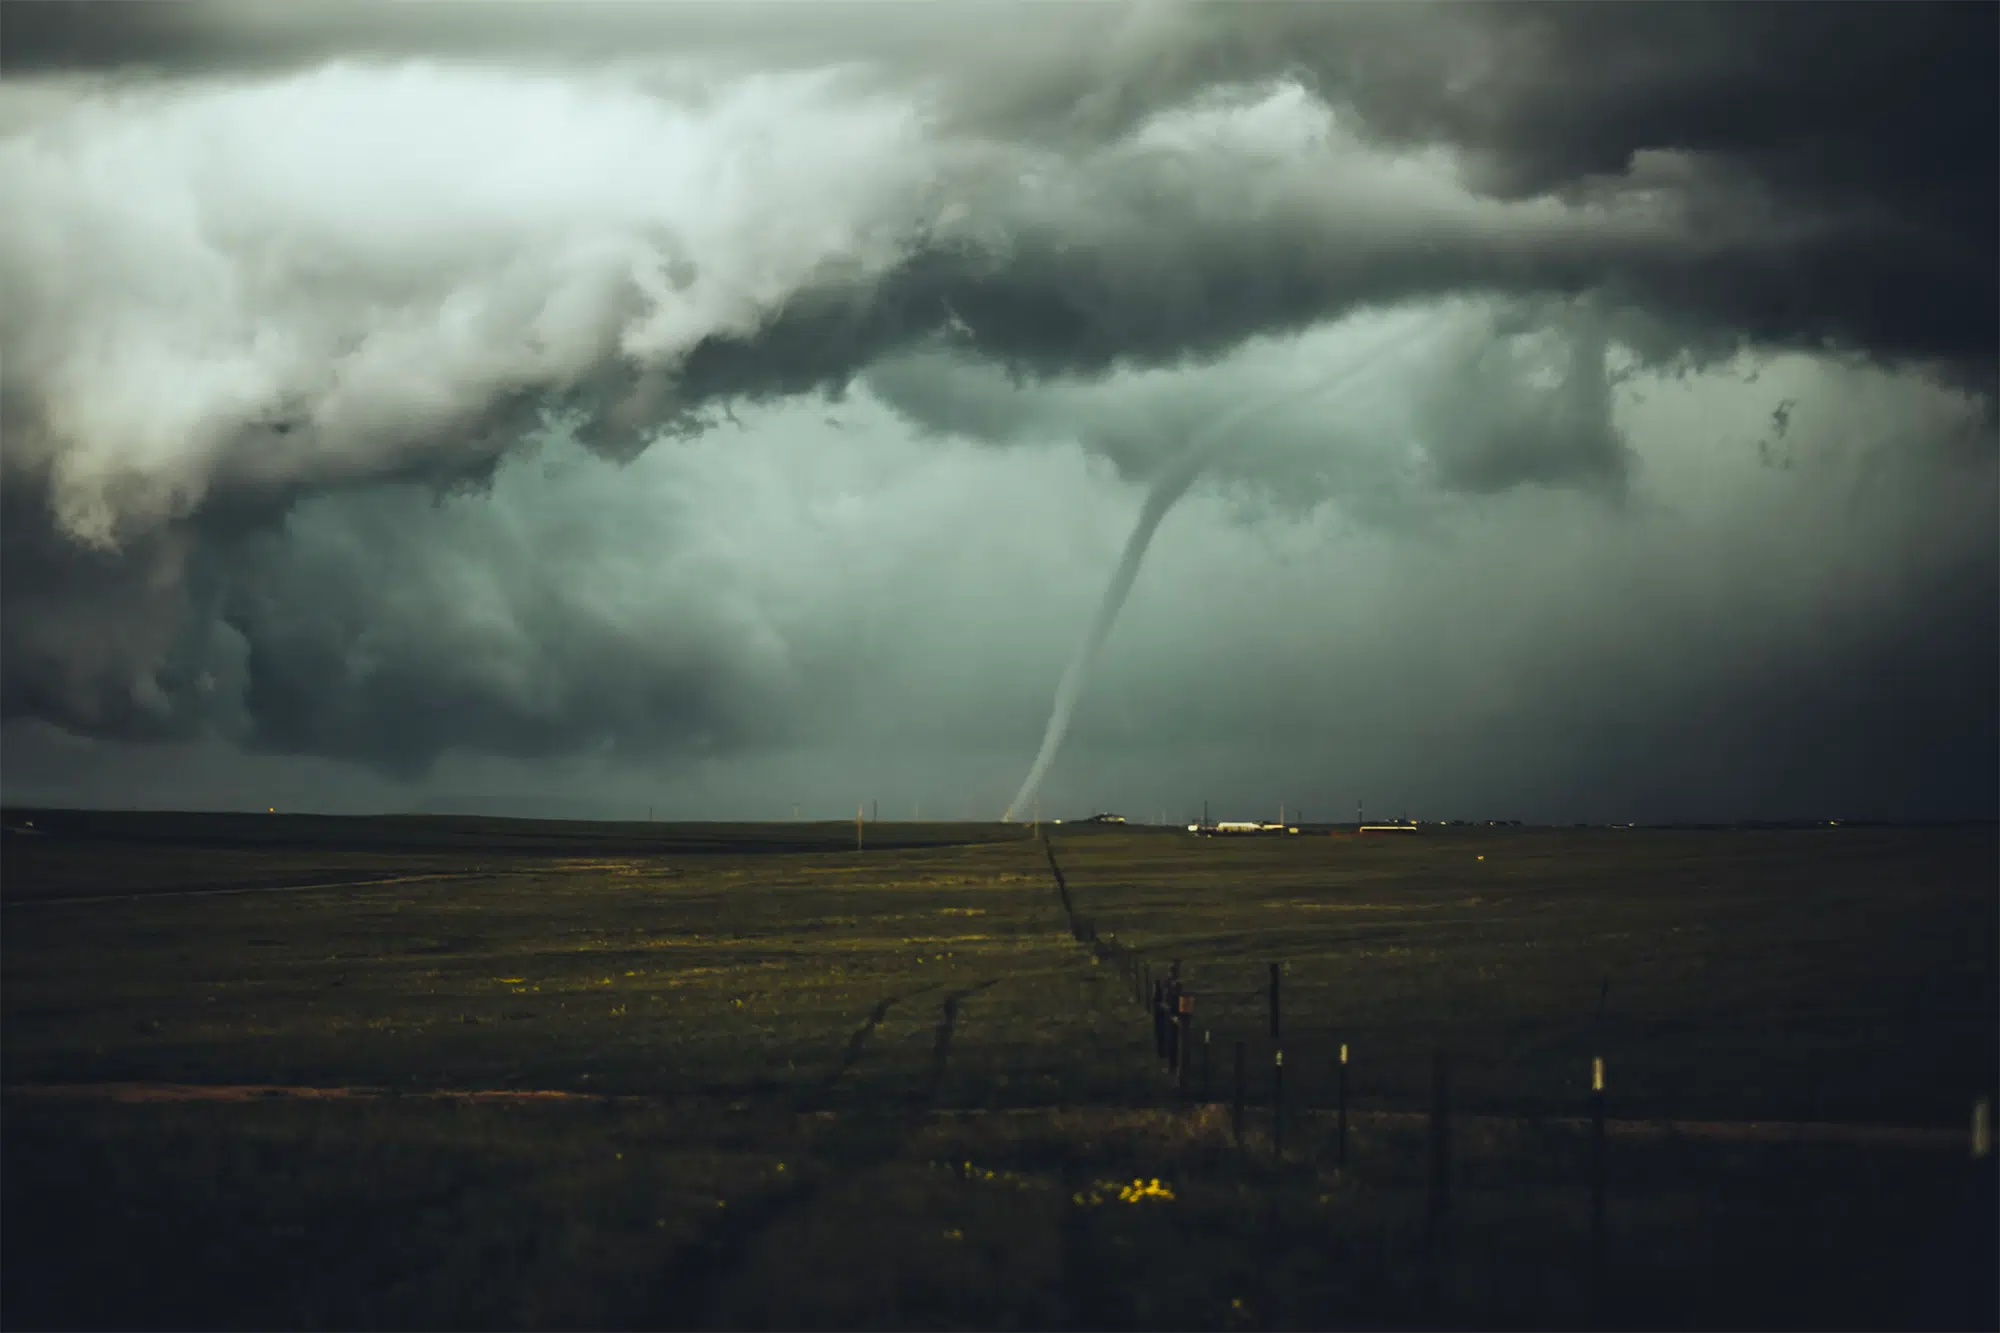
[1145, 1189]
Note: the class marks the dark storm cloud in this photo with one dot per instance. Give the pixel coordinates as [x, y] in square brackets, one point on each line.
[1873, 124]
[230, 291]
[1737, 641]
[487, 645]
[1892, 715]
[1867, 131]
[90, 635]
[1491, 427]
[1718, 174]
[1504, 393]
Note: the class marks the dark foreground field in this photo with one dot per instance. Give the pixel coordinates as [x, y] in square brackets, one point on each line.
[810, 1087]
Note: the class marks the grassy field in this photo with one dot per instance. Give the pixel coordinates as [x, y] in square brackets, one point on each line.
[817, 1087]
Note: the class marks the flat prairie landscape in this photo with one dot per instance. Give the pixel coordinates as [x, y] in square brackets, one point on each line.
[288, 1071]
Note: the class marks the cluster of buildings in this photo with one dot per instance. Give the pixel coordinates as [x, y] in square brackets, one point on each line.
[1235, 827]
[1251, 828]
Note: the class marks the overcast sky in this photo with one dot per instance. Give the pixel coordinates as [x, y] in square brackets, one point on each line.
[727, 409]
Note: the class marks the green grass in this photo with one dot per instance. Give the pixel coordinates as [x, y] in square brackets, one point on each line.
[1838, 974]
[421, 1214]
[876, 1021]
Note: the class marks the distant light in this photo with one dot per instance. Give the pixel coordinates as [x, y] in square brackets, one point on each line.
[274, 809]
[1482, 858]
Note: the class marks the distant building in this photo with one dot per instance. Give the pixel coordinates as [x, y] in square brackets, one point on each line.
[1239, 828]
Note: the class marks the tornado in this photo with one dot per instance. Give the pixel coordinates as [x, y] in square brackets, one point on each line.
[1165, 491]
[1168, 487]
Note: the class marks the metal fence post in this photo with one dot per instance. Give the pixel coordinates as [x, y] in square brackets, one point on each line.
[1597, 1178]
[1340, 1132]
[1183, 1046]
[1278, 1102]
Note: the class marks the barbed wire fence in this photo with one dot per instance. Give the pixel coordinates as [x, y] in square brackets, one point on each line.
[1250, 1022]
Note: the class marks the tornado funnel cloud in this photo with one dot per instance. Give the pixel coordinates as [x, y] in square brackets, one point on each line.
[1167, 489]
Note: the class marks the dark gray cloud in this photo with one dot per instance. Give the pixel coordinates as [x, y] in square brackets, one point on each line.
[1501, 394]
[890, 613]
[275, 275]
[89, 634]
[1866, 131]
[370, 636]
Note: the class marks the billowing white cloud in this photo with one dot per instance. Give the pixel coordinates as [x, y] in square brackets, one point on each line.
[328, 277]
[364, 272]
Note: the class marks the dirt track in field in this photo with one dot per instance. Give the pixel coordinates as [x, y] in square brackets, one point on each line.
[1723, 1131]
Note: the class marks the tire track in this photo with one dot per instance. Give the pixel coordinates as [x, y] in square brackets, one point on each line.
[1724, 1131]
[859, 1040]
[66, 901]
[947, 1023]
[1082, 929]
[861, 1142]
